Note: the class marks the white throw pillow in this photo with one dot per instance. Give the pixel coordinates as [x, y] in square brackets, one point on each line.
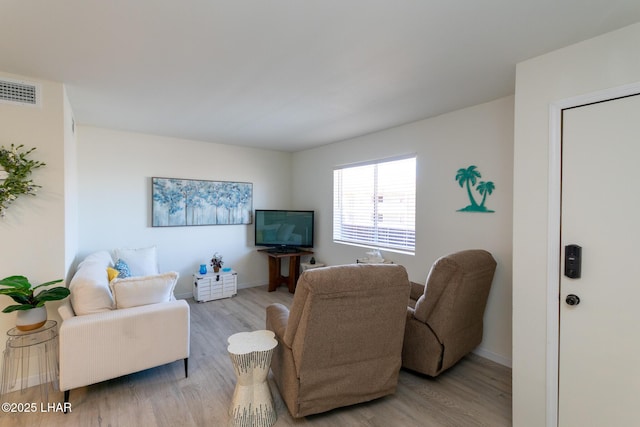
[90, 285]
[135, 291]
[141, 262]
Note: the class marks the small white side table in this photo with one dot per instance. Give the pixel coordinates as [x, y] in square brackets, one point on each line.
[367, 261]
[252, 403]
[304, 266]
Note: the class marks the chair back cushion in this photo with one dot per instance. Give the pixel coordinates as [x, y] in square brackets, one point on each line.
[455, 297]
[346, 328]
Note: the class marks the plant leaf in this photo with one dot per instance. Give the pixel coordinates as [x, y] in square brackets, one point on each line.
[48, 283]
[19, 295]
[14, 291]
[17, 282]
[53, 294]
[11, 308]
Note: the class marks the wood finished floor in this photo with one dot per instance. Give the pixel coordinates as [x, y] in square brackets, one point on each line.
[476, 392]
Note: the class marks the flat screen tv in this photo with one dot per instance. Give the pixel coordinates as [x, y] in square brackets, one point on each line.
[284, 230]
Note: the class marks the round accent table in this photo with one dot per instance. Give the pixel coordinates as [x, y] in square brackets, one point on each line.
[18, 352]
[252, 403]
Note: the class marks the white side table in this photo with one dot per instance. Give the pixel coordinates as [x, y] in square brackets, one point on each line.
[368, 261]
[252, 403]
[304, 266]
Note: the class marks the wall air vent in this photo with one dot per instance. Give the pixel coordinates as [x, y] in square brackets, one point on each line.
[19, 92]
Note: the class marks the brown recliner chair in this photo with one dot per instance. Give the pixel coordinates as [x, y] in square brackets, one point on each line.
[341, 343]
[446, 323]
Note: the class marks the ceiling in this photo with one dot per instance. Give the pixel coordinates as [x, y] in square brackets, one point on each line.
[286, 74]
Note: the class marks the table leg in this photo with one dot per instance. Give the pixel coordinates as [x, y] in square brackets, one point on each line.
[252, 403]
[25, 356]
[294, 272]
[48, 367]
[8, 380]
[12, 365]
[274, 273]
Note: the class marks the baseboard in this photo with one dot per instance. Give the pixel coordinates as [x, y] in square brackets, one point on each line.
[494, 357]
[250, 285]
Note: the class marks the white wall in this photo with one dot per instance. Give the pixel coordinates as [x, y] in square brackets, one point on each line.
[33, 232]
[604, 62]
[481, 136]
[115, 170]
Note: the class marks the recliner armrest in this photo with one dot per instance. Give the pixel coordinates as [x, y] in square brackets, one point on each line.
[416, 291]
[65, 310]
[277, 319]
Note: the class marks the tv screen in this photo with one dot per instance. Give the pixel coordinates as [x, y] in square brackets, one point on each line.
[285, 229]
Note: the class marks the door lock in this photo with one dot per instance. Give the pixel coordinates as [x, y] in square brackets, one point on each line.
[572, 261]
[572, 299]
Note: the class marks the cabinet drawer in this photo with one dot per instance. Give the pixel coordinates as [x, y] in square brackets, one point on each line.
[204, 296]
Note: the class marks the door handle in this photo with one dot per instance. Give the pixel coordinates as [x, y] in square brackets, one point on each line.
[572, 299]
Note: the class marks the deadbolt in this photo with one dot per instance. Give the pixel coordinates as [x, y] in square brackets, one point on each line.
[572, 299]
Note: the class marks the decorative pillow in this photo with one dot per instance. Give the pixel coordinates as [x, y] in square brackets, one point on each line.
[136, 291]
[112, 273]
[122, 268]
[89, 286]
[142, 261]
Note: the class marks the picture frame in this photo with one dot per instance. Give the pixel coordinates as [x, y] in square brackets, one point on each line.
[177, 202]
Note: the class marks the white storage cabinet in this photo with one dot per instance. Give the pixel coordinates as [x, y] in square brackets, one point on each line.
[212, 286]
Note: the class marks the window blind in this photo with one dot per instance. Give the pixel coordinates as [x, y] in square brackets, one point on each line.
[374, 204]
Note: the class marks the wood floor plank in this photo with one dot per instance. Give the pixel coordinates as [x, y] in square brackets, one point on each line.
[475, 392]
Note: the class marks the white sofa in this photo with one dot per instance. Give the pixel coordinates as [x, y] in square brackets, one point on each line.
[99, 341]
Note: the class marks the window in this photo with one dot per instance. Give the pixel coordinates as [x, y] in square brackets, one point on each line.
[374, 204]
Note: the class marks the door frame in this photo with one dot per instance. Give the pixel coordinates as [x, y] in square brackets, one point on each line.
[553, 239]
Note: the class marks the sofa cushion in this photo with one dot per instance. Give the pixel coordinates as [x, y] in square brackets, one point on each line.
[90, 285]
[136, 291]
[141, 261]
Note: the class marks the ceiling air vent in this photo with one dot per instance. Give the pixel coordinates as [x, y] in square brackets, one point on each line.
[19, 93]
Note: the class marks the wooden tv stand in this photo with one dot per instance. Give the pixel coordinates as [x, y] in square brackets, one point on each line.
[275, 275]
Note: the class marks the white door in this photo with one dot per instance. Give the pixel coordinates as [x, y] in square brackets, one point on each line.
[599, 374]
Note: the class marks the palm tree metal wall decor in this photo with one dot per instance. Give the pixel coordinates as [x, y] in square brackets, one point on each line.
[469, 177]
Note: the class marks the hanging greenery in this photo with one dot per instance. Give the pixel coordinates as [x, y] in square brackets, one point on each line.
[15, 169]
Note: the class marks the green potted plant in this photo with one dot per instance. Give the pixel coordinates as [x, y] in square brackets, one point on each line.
[30, 308]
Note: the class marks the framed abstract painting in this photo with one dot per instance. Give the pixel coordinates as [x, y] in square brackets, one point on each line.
[179, 202]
